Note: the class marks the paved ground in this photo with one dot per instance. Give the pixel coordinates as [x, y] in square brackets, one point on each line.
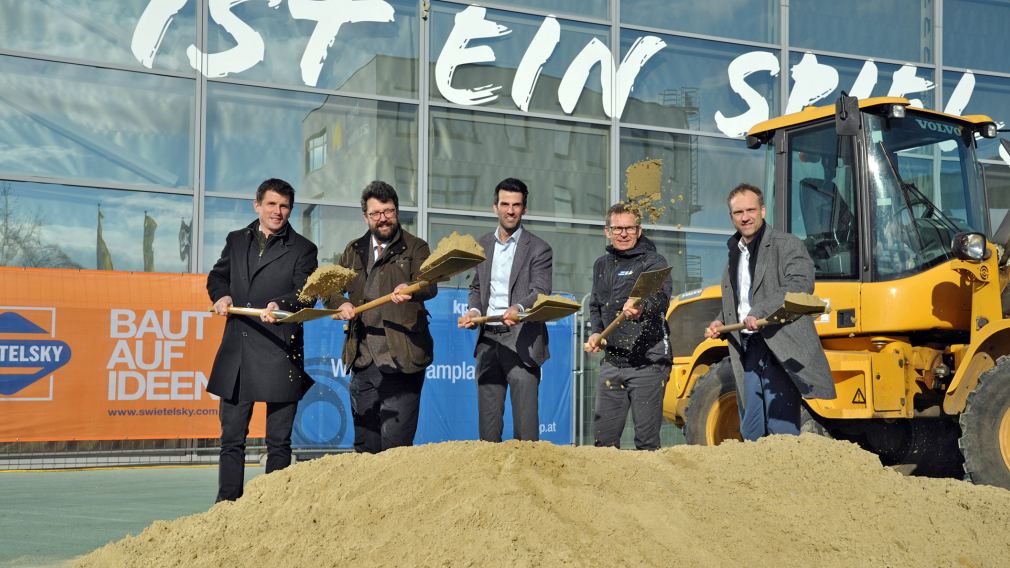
[50, 517]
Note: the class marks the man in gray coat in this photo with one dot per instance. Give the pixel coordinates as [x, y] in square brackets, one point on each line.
[776, 365]
[509, 354]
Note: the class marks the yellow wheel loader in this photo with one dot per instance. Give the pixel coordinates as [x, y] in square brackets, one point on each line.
[889, 202]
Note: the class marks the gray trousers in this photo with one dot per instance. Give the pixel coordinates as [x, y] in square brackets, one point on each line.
[639, 388]
[498, 369]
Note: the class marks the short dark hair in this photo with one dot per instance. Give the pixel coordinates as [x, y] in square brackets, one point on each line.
[511, 184]
[743, 187]
[622, 207]
[379, 190]
[277, 185]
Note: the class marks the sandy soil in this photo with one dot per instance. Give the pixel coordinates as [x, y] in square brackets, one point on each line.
[783, 501]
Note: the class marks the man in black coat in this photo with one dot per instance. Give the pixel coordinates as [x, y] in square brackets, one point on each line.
[262, 265]
[636, 364]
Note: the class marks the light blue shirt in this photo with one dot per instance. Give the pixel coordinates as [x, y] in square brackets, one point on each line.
[501, 271]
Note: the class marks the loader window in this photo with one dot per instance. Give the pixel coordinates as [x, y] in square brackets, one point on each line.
[924, 187]
[822, 200]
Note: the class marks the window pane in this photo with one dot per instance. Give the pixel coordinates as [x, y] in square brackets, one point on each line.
[991, 96]
[329, 227]
[974, 32]
[689, 173]
[96, 30]
[894, 29]
[366, 57]
[565, 165]
[328, 147]
[709, 18]
[59, 226]
[849, 69]
[997, 185]
[696, 258]
[584, 8]
[73, 121]
[685, 84]
[509, 51]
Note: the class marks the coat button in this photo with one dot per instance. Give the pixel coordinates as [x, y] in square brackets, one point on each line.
[245, 334]
[248, 304]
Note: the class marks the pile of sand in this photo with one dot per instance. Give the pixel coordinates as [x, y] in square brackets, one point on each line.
[326, 282]
[454, 242]
[783, 501]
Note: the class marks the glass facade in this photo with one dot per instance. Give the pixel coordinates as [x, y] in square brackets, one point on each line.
[113, 112]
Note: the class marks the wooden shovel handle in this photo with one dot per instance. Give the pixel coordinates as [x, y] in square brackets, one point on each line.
[409, 289]
[483, 319]
[739, 326]
[255, 312]
[613, 325]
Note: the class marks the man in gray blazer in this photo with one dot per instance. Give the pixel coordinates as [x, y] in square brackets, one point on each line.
[509, 354]
[776, 365]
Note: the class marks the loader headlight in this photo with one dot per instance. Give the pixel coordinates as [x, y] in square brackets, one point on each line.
[969, 246]
[988, 130]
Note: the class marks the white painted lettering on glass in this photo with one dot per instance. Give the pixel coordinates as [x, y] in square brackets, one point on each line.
[813, 81]
[470, 24]
[151, 27]
[532, 64]
[739, 69]
[330, 15]
[247, 52]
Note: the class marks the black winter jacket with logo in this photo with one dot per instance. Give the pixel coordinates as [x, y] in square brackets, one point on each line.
[635, 342]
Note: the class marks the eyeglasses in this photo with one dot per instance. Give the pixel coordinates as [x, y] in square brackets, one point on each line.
[387, 213]
[623, 230]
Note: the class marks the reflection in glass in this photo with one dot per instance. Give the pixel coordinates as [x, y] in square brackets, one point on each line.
[696, 259]
[754, 20]
[990, 96]
[688, 172]
[997, 186]
[974, 33]
[850, 69]
[73, 121]
[895, 29]
[509, 51]
[585, 8]
[328, 147]
[564, 164]
[685, 84]
[58, 226]
[366, 57]
[329, 227]
[95, 30]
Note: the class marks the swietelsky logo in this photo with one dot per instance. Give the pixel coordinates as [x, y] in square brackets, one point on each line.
[28, 352]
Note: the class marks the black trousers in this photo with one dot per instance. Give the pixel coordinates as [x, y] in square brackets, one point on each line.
[639, 388]
[385, 408]
[235, 416]
[499, 369]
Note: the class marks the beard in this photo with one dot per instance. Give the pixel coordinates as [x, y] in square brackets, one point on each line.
[384, 230]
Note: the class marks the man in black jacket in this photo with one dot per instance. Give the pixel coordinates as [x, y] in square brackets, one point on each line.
[262, 265]
[636, 362]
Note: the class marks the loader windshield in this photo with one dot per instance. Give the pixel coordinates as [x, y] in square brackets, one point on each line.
[925, 186]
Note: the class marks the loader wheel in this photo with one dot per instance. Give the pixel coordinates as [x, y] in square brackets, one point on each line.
[985, 428]
[712, 415]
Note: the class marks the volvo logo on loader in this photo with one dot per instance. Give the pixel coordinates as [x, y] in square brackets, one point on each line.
[28, 353]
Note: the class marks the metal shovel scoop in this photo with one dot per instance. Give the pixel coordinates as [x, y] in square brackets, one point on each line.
[546, 308]
[450, 264]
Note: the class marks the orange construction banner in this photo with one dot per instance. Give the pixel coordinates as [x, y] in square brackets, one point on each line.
[101, 355]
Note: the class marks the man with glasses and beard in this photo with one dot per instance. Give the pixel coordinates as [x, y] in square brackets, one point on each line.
[388, 347]
[636, 362]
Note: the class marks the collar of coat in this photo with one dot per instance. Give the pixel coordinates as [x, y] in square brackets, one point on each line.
[282, 234]
[396, 245]
[733, 241]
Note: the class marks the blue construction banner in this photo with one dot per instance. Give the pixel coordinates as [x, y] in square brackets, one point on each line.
[449, 397]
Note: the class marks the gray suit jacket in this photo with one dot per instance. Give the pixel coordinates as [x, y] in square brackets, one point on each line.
[531, 275]
[783, 265]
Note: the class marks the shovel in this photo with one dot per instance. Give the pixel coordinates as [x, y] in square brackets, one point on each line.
[795, 306]
[440, 269]
[546, 308]
[301, 316]
[648, 283]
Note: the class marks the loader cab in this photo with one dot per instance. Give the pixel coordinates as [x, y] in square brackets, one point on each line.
[881, 198]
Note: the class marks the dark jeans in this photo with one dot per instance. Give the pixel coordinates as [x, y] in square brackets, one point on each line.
[639, 388]
[771, 403]
[235, 416]
[385, 408]
[498, 370]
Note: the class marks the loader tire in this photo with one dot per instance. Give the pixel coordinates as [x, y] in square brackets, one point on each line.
[711, 415]
[985, 428]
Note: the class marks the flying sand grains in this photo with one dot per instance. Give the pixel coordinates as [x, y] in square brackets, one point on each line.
[327, 281]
